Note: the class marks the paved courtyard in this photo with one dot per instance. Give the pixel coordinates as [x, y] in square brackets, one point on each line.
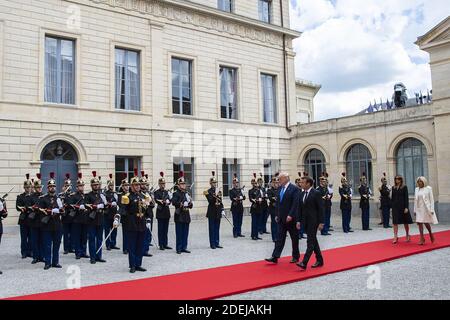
[424, 276]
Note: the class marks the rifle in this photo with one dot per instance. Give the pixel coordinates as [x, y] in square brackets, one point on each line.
[6, 194]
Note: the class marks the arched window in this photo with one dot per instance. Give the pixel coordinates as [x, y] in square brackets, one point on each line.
[315, 164]
[61, 158]
[412, 162]
[359, 161]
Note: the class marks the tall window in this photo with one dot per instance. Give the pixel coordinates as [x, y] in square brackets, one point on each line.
[269, 98]
[187, 166]
[229, 168]
[59, 70]
[265, 10]
[315, 164]
[412, 162]
[225, 5]
[126, 165]
[228, 93]
[127, 79]
[359, 161]
[271, 167]
[181, 86]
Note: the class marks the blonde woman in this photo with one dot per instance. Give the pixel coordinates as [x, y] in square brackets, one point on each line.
[424, 208]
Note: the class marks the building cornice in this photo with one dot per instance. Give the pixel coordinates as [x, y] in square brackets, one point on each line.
[202, 16]
[437, 36]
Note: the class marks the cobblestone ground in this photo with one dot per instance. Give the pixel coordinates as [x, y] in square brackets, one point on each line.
[423, 276]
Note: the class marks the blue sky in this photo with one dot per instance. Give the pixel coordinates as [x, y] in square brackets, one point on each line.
[358, 49]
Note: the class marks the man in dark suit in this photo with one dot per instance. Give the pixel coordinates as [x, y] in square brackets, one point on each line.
[311, 212]
[287, 218]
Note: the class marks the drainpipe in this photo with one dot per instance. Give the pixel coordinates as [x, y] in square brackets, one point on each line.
[286, 105]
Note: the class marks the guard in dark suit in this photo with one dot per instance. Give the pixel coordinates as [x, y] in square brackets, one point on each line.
[150, 205]
[163, 200]
[298, 183]
[66, 219]
[311, 211]
[385, 201]
[51, 207]
[123, 190]
[237, 207]
[182, 202]
[136, 214]
[95, 202]
[326, 197]
[23, 206]
[256, 198]
[346, 204]
[79, 212]
[214, 212]
[3, 215]
[264, 216]
[364, 202]
[272, 195]
[287, 218]
[110, 212]
[34, 219]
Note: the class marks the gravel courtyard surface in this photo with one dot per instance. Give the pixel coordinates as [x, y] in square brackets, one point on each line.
[425, 276]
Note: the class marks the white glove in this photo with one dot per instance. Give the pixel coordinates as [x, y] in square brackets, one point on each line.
[55, 211]
[223, 213]
[116, 223]
[82, 207]
[167, 201]
[114, 204]
[59, 202]
[100, 206]
[241, 197]
[1, 206]
[186, 204]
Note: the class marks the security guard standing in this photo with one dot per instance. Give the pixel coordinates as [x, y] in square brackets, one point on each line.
[95, 202]
[272, 195]
[79, 212]
[326, 197]
[3, 215]
[123, 190]
[346, 203]
[163, 199]
[23, 205]
[110, 211]
[182, 202]
[237, 207]
[262, 228]
[385, 201]
[66, 219]
[298, 183]
[150, 205]
[256, 198]
[364, 202]
[214, 212]
[34, 218]
[134, 209]
[51, 207]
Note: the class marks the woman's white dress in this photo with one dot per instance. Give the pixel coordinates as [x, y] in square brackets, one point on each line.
[424, 206]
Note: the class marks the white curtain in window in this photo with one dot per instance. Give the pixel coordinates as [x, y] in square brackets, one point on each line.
[51, 68]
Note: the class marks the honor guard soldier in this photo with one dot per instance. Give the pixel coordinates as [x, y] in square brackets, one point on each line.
[272, 195]
[385, 201]
[110, 212]
[23, 205]
[262, 229]
[182, 202]
[237, 207]
[51, 207]
[364, 202]
[214, 212]
[95, 202]
[34, 218]
[346, 203]
[66, 219]
[163, 199]
[3, 215]
[134, 210]
[150, 205]
[123, 190]
[326, 197]
[256, 198]
[79, 212]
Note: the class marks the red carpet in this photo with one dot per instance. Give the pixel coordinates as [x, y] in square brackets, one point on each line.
[230, 280]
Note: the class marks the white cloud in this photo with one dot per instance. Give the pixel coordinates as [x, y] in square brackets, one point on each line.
[358, 49]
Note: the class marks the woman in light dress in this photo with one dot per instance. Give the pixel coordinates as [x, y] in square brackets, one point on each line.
[424, 208]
